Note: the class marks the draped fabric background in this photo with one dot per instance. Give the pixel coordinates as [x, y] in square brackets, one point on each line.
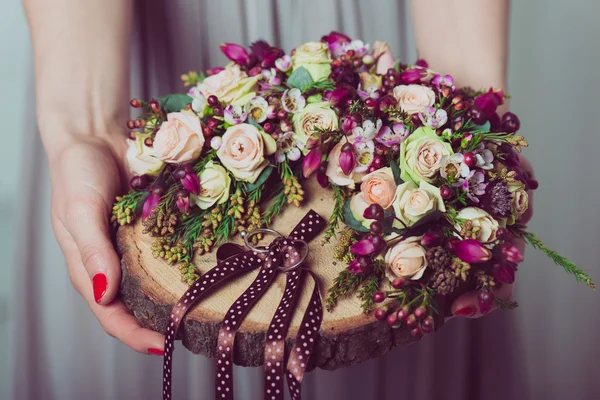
[547, 348]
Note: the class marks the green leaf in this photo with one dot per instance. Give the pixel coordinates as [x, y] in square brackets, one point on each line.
[396, 172]
[255, 124]
[300, 79]
[485, 128]
[262, 178]
[174, 102]
[350, 221]
[387, 222]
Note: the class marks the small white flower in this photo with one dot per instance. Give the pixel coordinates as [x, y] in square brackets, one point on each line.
[215, 142]
[257, 109]
[234, 115]
[292, 100]
[368, 129]
[365, 151]
[287, 148]
[433, 118]
[271, 76]
[284, 63]
[484, 157]
[199, 101]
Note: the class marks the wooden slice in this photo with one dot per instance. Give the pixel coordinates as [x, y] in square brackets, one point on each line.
[150, 288]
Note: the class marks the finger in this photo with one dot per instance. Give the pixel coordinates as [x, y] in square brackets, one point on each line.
[114, 318]
[87, 222]
[467, 305]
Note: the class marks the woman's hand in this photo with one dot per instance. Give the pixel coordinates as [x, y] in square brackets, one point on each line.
[86, 176]
[467, 305]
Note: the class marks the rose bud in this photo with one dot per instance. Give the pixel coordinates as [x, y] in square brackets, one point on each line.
[431, 239]
[347, 159]
[236, 53]
[374, 211]
[363, 247]
[151, 202]
[471, 251]
[191, 182]
[183, 201]
[511, 253]
[503, 271]
[311, 162]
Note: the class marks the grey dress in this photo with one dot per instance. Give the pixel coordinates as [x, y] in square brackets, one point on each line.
[61, 351]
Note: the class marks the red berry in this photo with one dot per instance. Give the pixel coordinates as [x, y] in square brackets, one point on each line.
[140, 182]
[212, 100]
[135, 103]
[398, 283]
[477, 116]
[180, 173]
[428, 322]
[470, 159]
[149, 141]
[411, 321]
[378, 297]
[347, 147]
[269, 127]
[282, 114]
[510, 122]
[381, 313]
[154, 106]
[421, 312]
[446, 193]
[376, 227]
[378, 162]
[206, 131]
[213, 123]
[131, 124]
[416, 333]
[371, 103]
[374, 211]
[217, 111]
[392, 319]
[403, 313]
[157, 190]
[286, 126]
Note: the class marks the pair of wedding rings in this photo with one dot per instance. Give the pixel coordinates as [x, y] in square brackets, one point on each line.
[262, 249]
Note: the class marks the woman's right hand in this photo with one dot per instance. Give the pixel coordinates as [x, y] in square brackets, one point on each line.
[87, 173]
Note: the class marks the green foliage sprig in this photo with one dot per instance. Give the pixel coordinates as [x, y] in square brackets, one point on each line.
[339, 198]
[505, 305]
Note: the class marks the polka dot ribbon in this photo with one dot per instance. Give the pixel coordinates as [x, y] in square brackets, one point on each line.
[281, 253]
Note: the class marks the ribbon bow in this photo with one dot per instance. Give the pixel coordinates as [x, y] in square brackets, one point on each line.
[282, 255]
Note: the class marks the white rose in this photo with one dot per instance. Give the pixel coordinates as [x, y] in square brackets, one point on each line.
[414, 98]
[141, 158]
[214, 186]
[413, 202]
[488, 226]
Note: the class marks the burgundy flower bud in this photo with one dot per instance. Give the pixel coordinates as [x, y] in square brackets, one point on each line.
[207, 131]
[489, 102]
[502, 233]
[411, 76]
[311, 162]
[532, 184]
[154, 106]
[511, 253]
[182, 201]
[503, 271]
[422, 63]
[363, 247]
[381, 313]
[180, 172]
[350, 122]
[378, 297]
[378, 241]
[212, 100]
[385, 103]
[150, 203]
[191, 182]
[416, 120]
[323, 180]
[486, 300]
[371, 103]
[374, 211]
[214, 71]
[375, 227]
[340, 95]
[236, 53]
[469, 159]
[432, 239]
[510, 122]
[403, 313]
[218, 111]
[471, 251]
[421, 312]
[255, 71]
[398, 283]
[135, 103]
[347, 159]
[213, 123]
[359, 265]
[139, 182]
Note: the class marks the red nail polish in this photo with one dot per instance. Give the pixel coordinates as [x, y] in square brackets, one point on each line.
[99, 282]
[156, 352]
[466, 312]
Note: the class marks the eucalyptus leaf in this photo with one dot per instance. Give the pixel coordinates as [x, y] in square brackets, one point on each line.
[262, 178]
[485, 128]
[300, 79]
[351, 221]
[174, 102]
[255, 124]
[396, 172]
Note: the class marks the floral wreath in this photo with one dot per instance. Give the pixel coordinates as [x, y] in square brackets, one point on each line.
[425, 176]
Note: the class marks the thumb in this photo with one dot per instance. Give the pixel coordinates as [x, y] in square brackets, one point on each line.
[87, 222]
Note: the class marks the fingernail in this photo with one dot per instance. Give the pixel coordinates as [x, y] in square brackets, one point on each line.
[466, 312]
[156, 352]
[99, 282]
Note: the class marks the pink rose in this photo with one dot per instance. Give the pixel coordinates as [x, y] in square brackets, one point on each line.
[407, 259]
[384, 56]
[242, 152]
[414, 98]
[379, 187]
[179, 138]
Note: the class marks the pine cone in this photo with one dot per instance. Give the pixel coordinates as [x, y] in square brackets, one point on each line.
[438, 258]
[444, 281]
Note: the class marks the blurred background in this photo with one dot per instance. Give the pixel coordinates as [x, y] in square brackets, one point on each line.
[554, 82]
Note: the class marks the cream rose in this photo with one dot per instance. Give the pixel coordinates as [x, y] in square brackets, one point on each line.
[414, 98]
[141, 158]
[315, 58]
[485, 226]
[358, 205]
[406, 259]
[314, 116]
[214, 186]
[384, 56]
[414, 202]
[421, 155]
[379, 187]
[230, 85]
[242, 151]
[179, 138]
